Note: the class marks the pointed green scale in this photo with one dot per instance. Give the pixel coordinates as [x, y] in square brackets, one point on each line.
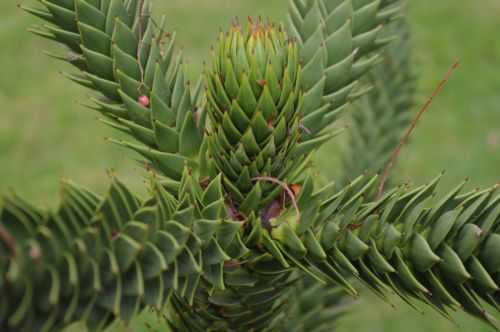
[168, 246]
[39, 13]
[363, 19]
[126, 64]
[111, 296]
[190, 138]
[241, 155]
[312, 71]
[218, 93]
[170, 164]
[372, 280]
[452, 266]
[213, 191]
[153, 262]
[126, 250]
[336, 256]
[214, 210]
[205, 229]
[288, 237]
[423, 257]
[272, 78]
[353, 247]
[273, 249]
[187, 263]
[238, 117]
[226, 233]
[339, 44]
[280, 132]
[441, 228]
[246, 98]
[133, 89]
[213, 253]
[392, 238]
[90, 15]
[250, 143]
[162, 92]
[167, 138]
[480, 276]
[260, 127]
[244, 180]
[489, 254]
[116, 12]
[365, 42]
[64, 17]
[491, 214]
[468, 241]
[233, 134]
[214, 275]
[99, 64]
[437, 288]
[446, 203]
[93, 39]
[137, 231]
[406, 275]
[266, 104]
[71, 39]
[230, 81]
[184, 107]
[378, 260]
[314, 249]
[133, 282]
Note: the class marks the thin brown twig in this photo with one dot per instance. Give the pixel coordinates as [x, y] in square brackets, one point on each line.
[412, 127]
[285, 187]
[8, 240]
[235, 263]
[141, 41]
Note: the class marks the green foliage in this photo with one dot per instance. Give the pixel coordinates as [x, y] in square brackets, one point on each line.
[254, 103]
[123, 54]
[384, 112]
[338, 42]
[96, 259]
[234, 234]
[315, 307]
[440, 254]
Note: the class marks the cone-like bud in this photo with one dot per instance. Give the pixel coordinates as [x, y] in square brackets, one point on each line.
[254, 102]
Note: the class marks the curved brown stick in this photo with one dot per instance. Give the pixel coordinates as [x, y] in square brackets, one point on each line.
[412, 127]
[285, 187]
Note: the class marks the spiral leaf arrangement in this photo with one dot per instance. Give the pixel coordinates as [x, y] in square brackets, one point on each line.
[234, 233]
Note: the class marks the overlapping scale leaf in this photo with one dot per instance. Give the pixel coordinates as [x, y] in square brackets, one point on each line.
[315, 307]
[101, 259]
[338, 41]
[441, 253]
[255, 299]
[223, 249]
[122, 53]
[253, 102]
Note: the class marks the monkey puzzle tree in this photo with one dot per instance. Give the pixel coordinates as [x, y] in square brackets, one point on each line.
[235, 234]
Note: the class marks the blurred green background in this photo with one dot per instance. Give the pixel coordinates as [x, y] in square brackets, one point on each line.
[45, 134]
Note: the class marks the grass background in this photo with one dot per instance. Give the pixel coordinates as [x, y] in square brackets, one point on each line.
[45, 134]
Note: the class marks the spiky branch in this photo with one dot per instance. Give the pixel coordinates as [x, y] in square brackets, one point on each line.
[131, 61]
[441, 253]
[212, 241]
[98, 259]
[339, 40]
